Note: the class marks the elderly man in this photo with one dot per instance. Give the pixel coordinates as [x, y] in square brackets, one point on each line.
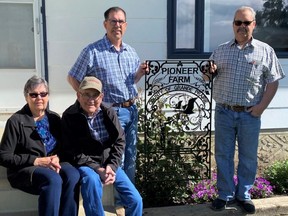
[94, 142]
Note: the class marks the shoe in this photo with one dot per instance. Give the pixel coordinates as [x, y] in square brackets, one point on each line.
[120, 211]
[247, 205]
[219, 205]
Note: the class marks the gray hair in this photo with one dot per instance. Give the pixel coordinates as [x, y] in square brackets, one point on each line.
[246, 8]
[33, 82]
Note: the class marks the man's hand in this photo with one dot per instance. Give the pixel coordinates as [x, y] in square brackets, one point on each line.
[142, 70]
[107, 175]
[208, 69]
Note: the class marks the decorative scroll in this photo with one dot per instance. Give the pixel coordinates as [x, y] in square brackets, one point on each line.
[177, 125]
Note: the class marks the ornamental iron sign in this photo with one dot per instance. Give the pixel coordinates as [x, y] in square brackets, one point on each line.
[177, 126]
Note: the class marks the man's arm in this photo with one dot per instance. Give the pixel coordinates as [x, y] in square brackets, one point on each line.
[73, 82]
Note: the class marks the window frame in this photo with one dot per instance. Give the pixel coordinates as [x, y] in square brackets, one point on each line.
[198, 51]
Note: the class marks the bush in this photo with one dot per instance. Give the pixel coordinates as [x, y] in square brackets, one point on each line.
[277, 174]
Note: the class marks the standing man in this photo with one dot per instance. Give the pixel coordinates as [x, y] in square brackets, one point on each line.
[245, 83]
[94, 142]
[118, 66]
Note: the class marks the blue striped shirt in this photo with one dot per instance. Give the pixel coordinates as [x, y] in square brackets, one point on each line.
[116, 69]
[243, 73]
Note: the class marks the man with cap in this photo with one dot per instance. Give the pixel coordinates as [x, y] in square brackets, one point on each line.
[94, 142]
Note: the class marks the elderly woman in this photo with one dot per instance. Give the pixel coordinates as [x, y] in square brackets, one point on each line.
[31, 152]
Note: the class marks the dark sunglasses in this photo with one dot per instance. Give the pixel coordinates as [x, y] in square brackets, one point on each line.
[35, 95]
[239, 22]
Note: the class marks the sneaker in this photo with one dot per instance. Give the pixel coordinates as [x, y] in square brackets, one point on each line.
[247, 205]
[219, 205]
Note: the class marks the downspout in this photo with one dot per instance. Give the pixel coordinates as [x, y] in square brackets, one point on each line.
[45, 50]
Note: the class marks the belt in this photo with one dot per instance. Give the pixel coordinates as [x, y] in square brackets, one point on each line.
[236, 108]
[125, 104]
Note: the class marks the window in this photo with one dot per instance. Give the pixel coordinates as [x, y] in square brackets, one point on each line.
[17, 49]
[197, 27]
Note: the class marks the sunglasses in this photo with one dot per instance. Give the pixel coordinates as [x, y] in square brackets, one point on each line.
[35, 95]
[239, 22]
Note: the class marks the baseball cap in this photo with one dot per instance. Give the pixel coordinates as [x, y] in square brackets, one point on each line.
[91, 82]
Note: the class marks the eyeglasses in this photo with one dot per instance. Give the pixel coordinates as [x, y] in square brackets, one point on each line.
[239, 22]
[87, 96]
[114, 22]
[35, 95]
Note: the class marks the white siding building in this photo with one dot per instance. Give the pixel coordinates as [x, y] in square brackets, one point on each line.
[72, 24]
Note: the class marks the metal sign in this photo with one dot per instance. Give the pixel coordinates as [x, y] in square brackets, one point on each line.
[177, 123]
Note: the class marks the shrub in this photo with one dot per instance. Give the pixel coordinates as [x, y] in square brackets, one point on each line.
[277, 174]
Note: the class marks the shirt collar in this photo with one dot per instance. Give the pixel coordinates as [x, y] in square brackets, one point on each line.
[250, 43]
[109, 45]
[94, 114]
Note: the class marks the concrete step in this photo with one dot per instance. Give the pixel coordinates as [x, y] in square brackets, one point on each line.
[15, 201]
[274, 206]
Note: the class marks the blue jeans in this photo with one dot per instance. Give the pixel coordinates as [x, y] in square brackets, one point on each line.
[229, 127]
[58, 193]
[128, 118]
[92, 191]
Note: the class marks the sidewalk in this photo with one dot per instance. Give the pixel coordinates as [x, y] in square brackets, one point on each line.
[275, 206]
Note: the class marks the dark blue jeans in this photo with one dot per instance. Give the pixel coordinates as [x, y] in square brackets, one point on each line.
[58, 193]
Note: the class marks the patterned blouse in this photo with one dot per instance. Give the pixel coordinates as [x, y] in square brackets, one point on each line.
[42, 127]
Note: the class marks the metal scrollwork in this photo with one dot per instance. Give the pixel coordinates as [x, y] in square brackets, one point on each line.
[178, 108]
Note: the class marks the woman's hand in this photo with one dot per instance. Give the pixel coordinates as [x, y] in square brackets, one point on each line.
[51, 162]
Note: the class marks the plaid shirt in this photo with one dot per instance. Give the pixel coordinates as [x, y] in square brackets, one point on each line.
[243, 73]
[97, 127]
[116, 69]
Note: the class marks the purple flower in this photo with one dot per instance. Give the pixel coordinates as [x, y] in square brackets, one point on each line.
[206, 190]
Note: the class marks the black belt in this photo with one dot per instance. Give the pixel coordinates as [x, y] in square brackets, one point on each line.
[125, 104]
[236, 108]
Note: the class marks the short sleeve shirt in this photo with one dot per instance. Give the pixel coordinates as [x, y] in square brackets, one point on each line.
[243, 73]
[116, 69]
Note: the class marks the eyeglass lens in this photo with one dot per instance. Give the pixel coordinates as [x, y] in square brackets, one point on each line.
[92, 96]
[35, 95]
[239, 22]
[114, 22]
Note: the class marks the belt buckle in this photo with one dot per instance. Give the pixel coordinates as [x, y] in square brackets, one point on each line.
[237, 108]
[240, 108]
[127, 103]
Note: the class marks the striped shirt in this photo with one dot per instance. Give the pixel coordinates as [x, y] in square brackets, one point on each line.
[243, 73]
[116, 69]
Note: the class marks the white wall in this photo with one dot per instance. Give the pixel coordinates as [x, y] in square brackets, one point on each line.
[72, 24]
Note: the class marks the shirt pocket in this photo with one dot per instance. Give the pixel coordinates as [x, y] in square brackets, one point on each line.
[257, 71]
